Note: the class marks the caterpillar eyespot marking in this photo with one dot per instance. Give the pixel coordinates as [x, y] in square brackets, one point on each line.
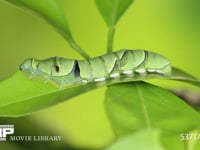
[115, 65]
[57, 68]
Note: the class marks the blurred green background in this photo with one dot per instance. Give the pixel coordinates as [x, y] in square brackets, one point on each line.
[168, 27]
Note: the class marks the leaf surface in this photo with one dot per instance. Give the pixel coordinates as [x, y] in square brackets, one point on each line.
[20, 95]
[140, 141]
[139, 105]
[112, 10]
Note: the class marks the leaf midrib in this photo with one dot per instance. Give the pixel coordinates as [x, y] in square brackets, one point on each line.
[145, 112]
[114, 13]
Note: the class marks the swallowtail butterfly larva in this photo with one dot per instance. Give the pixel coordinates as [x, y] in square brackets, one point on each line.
[123, 63]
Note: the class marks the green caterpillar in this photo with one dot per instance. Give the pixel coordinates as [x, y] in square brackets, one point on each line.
[123, 63]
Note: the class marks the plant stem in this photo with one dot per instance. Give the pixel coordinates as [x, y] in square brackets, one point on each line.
[111, 33]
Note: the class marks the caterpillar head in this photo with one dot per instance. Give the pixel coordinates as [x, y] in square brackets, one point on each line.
[28, 65]
[57, 69]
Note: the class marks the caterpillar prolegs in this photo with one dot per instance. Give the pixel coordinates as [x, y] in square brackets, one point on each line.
[115, 65]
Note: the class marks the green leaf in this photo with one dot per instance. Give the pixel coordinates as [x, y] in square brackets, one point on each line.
[194, 144]
[141, 140]
[183, 141]
[20, 95]
[180, 75]
[51, 12]
[172, 141]
[111, 11]
[138, 105]
[32, 95]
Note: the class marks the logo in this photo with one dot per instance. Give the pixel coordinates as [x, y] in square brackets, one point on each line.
[5, 130]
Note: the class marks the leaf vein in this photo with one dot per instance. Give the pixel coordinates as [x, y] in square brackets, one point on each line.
[146, 116]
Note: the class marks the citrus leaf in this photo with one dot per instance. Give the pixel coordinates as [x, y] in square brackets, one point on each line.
[138, 105]
[51, 12]
[140, 141]
[180, 75]
[112, 10]
[20, 95]
[172, 141]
